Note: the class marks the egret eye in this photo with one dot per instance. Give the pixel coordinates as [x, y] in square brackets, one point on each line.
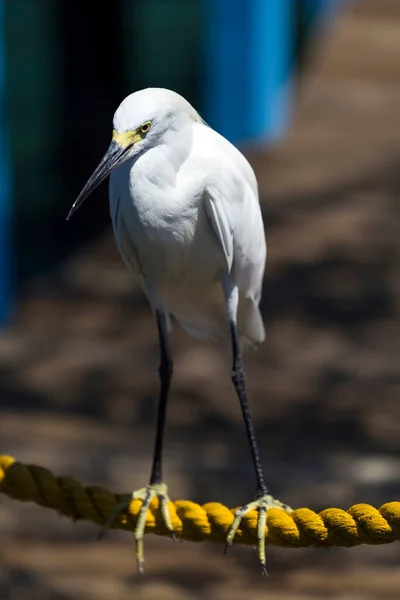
[145, 127]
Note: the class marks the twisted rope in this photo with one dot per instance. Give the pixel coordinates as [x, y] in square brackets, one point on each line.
[360, 524]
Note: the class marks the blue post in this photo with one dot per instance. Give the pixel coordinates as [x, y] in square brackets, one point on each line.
[5, 195]
[224, 82]
[271, 41]
[248, 59]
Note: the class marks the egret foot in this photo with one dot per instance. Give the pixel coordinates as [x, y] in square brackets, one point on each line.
[146, 494]
[263, 504]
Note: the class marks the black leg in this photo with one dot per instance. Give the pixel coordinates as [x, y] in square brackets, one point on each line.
[165, 371]
[156, 487]
[239, 383]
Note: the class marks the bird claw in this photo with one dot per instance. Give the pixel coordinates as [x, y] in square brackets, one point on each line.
[263, 504]
[146, 495]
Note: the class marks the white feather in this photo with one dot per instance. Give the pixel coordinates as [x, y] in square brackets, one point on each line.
[185, 211]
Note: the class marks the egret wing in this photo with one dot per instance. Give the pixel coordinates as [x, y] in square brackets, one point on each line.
[236, 220]
[220, 224]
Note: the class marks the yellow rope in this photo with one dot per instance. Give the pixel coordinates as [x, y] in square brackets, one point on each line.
[361, 524]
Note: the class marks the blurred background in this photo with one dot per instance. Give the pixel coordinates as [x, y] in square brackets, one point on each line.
[310, 90]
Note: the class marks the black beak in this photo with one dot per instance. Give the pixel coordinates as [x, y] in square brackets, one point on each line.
[114, 156]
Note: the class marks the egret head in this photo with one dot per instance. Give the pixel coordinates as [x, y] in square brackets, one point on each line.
[141, 121]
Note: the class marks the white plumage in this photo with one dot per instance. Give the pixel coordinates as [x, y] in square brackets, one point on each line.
[187, 221]
[185, 210]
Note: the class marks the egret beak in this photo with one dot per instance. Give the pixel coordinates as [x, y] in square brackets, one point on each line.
[115, 156]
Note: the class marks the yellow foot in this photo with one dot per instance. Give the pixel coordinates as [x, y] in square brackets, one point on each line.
[146, 494]
[263, 504]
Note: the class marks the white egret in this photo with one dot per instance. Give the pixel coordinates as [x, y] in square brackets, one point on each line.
[187, 222]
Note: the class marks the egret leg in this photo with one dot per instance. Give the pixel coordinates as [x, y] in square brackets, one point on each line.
[165, 372]
[264, 501]
[156, 488]
[238, 380]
